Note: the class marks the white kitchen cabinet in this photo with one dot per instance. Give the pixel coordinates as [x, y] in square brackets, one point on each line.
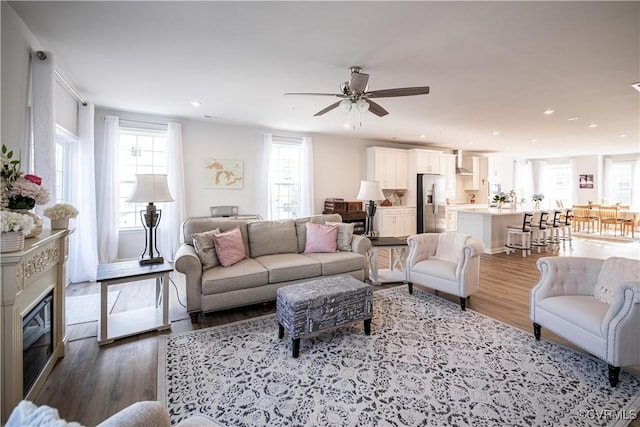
[387, 165]
[452, 220]
[395, 222]
[448, 170]
[425, 161]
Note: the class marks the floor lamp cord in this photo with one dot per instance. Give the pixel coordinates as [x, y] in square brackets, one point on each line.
[177, 292]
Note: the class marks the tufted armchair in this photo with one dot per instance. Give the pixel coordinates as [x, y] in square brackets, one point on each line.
[593, 303]
[447, 262]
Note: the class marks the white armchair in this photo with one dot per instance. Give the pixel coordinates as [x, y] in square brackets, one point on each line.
[593, 303]
[447, 262]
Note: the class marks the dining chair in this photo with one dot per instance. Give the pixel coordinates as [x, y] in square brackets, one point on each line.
[582, 217]
[609, 217]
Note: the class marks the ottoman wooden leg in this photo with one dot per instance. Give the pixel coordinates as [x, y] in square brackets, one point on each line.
[367, 326]
[280, 331]
[296, 347]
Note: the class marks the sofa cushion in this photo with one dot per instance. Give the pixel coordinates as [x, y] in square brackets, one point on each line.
[321, 238]
[285, 267]
[247, 273]
[436, 267]
[586, 311]
[614, 272]
[206, 249]
[272, 237]
[450, 246]
[200, 225]
[338, 262]
[345, 234]
[301, 227]
[229, 247]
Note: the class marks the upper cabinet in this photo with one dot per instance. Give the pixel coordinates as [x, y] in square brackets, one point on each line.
[387, 165]
[494, 172]
[448, 170]
[425, 161]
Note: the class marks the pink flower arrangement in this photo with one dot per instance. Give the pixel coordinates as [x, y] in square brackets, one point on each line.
[20, 191]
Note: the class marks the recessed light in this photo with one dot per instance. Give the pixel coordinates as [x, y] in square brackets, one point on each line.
[592, 125]
[636, 86]
[572, 119]
[347, 125]
[549, 111]
[622, 135]
[471, 142]
[534, 140]
[423, 136]
[196, 103]
[495, 132]
[508, 148]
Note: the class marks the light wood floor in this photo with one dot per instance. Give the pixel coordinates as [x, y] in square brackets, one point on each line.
[91, 383]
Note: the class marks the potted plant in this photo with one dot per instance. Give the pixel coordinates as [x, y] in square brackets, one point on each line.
[14, 226]
[59, 215]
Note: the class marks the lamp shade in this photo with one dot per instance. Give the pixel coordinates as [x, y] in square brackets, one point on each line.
[150, 188]
[370, 190]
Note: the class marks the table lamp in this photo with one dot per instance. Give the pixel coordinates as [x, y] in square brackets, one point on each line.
[150, 188]
[371, 191]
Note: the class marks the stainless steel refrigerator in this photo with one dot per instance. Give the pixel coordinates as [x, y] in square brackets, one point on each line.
[431, 204]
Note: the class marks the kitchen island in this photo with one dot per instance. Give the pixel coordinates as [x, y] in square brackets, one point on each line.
[489, 225]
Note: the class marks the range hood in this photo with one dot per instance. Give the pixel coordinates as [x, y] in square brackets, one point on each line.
[459, 169]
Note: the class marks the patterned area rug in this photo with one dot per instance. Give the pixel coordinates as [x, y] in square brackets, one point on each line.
[86, 308]
[425, 363]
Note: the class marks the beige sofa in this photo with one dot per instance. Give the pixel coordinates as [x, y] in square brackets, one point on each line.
[276, 258]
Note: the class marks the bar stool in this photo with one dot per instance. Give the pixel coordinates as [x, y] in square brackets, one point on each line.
[553, 227]
[565, 228]
[519, 236]
[539, 230]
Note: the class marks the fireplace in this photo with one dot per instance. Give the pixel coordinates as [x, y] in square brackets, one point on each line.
[37, 341]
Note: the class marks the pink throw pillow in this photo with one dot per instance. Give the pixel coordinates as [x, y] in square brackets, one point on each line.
[321, 238]
[229, 247]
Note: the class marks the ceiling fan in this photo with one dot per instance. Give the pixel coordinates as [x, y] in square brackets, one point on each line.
[355, 95]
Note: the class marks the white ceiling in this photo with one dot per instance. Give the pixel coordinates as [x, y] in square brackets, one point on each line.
[491, 66]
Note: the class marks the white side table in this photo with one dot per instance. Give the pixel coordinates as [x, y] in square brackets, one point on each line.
[397, 247]
[132, 322]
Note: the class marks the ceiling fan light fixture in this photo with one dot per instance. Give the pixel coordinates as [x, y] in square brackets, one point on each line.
[362, 105]
[345, 105]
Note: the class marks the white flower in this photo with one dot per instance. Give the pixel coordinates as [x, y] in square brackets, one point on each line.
[61, 211]
[14, 221]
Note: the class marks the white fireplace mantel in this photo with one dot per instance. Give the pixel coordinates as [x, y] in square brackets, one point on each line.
[28, 276]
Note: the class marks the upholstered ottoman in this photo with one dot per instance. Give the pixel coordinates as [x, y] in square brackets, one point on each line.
[316, 305]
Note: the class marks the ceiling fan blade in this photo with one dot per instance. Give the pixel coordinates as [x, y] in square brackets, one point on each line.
[377, 109]
[329, 108]
[358, 82]
[401, 91]
[339, 95]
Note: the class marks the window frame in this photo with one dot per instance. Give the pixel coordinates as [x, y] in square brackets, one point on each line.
[278, 211]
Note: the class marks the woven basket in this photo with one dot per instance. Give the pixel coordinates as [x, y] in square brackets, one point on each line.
[11, 241]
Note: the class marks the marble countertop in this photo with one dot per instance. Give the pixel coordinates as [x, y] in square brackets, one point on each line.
[492, 211]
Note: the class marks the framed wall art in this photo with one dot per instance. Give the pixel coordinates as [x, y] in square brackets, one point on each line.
[585, 181]
[224, 174]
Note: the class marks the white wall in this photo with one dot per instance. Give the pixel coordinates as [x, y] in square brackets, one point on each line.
[17, 43]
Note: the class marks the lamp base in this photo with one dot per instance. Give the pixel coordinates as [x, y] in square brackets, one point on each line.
[154, 260]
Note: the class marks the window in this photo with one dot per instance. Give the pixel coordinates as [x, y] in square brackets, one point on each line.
[141, 151]
[622, 174]
[285, 171]
[63, 164]
[558, 185]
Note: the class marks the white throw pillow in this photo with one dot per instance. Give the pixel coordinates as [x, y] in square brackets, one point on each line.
[345, 234]
[450, 246]
[614, 272]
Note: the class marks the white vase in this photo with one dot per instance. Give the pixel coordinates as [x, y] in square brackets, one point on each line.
[11, 241]
[60, 224]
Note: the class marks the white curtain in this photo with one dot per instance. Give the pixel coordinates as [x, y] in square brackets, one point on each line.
[307, 207]
[83, 256]
[572, 198]
[265, 191]
[608, 191]
[173, 213]
[40, 150]
[635, 189]
[107, 201]
[523, 180]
